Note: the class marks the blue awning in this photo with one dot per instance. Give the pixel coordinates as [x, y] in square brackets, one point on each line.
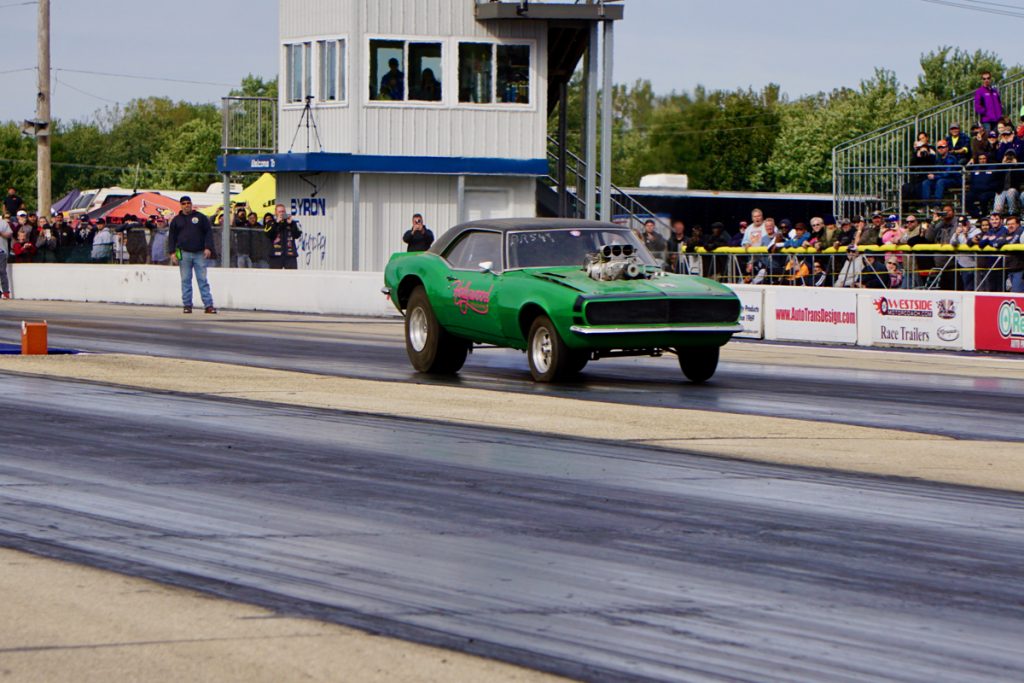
[357, 163]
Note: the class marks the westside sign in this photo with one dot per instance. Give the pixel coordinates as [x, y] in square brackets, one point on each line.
[999, 323]
[920, 320]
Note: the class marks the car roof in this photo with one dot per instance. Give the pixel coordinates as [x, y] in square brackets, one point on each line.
[504, 225]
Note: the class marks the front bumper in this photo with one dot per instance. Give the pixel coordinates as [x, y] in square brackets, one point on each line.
[680, 329]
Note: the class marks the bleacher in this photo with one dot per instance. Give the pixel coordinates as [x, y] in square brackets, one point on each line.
[872, 172]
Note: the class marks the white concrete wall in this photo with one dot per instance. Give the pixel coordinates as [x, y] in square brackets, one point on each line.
[265, 290]
[833, 316]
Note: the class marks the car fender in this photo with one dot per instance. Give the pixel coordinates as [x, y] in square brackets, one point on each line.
[406, 270]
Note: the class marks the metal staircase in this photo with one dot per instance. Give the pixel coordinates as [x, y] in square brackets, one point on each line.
[562, 199]
[869, 172]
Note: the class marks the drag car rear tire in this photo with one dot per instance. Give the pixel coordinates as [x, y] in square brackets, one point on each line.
[548, 354]
[429, 346]
[698, 363]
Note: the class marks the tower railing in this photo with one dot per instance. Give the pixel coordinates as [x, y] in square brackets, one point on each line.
[249, 125]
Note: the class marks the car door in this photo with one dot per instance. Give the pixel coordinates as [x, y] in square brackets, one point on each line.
[471, 305]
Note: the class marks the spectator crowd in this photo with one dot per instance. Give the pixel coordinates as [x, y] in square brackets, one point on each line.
[986, 162]
[38, 238]
[870, 252]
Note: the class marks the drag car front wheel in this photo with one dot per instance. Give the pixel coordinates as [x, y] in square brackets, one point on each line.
[548, 354]
[698, 363]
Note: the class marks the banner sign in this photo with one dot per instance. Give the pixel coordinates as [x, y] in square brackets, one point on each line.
[814, 314]
[751, 312]
[999, 323]
[916, 319]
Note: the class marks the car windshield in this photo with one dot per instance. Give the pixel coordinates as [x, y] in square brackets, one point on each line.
[569, 247]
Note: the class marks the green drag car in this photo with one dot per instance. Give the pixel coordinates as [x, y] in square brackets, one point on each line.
[565, 291]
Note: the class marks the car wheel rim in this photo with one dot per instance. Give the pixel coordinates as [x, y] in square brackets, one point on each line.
[542, 350]
[418, 329]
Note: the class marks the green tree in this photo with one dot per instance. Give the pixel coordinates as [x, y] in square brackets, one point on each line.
[18, 162]
[188, 160]
[255, 86]
[720, 139]
[80, 158]
[949, 73]
[811, 127]
[143, 127]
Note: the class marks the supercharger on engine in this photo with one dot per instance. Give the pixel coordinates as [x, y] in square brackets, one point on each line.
[615, 262]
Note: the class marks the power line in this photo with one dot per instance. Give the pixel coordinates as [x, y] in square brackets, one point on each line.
[144, 169]
[995, 4]
[146, 78]
[977, 8]
[19, 4]
[14, 71]
[83, 92]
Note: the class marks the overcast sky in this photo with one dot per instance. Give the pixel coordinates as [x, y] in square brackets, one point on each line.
[804, 45]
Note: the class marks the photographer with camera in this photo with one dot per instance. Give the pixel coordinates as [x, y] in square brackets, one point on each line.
[418, 237]
[282, 233]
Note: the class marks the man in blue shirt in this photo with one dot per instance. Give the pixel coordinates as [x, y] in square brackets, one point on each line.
[941, 179]
[190, 244]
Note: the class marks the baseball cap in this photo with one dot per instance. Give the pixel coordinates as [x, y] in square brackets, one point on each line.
[786, 223]
[23, 213]
[954, 125]
[185, 198]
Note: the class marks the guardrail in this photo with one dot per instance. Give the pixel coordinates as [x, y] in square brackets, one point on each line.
[920, 267]
[903, 189]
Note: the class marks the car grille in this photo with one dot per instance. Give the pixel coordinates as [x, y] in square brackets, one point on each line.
[663, 311]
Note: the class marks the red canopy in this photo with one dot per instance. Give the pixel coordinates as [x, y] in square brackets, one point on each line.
[143, 205]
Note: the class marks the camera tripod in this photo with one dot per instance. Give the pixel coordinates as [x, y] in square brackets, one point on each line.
[310, 123]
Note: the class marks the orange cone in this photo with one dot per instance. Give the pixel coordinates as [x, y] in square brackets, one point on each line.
[33, 339]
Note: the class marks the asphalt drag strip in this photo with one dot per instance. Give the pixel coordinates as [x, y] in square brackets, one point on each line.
[975, 462]
[583, 557]
[963, 396]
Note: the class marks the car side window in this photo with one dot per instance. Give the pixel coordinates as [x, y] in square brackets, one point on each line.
[474, 248]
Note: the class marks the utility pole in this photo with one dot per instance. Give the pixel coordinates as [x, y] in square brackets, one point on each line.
[43, 179]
